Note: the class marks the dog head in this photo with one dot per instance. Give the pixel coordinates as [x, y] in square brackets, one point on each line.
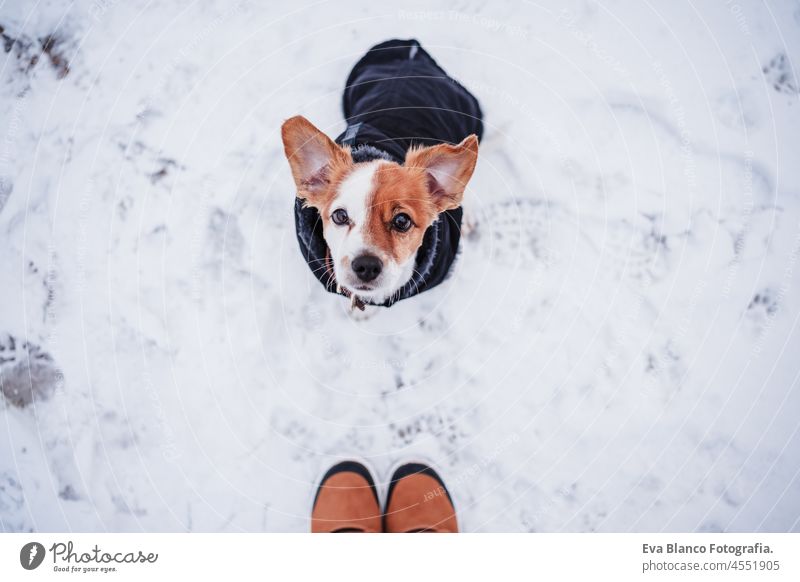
[374, 214]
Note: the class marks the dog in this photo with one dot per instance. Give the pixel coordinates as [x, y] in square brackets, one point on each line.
[378, 211]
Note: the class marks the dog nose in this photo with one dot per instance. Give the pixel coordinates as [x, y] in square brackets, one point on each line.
[367, 267]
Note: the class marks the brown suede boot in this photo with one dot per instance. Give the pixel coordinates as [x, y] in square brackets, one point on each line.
[418, 501]
[346, 501]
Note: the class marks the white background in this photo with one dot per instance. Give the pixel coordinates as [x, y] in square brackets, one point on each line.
[398, 557]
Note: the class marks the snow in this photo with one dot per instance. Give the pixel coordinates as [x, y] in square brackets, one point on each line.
[615, 351]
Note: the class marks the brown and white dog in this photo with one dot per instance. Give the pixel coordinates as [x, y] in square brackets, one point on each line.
[374, 214]
[377, 197]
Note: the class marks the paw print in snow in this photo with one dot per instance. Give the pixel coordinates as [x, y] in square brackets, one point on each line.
[762, 308]
[780, 75]
[27, 373]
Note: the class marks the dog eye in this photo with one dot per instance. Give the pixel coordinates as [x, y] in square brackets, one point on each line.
[340, 217]
[402, 222]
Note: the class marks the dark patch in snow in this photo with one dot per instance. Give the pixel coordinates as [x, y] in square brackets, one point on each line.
[52, 47]
[68, 493]
[166, 164]
[763, 302]
[27, 373]
[29, 52]
[780, 75]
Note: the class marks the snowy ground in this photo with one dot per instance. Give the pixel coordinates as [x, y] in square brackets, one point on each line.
[617, 349]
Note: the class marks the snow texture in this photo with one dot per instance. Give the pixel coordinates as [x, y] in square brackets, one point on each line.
[616, 350]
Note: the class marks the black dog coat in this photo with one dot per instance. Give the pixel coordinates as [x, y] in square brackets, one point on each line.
[397, 97]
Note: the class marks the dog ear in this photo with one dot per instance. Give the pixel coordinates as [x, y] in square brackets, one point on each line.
[311, 155]
[448, 170]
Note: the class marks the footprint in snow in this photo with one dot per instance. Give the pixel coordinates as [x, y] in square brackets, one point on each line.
[513, 233]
